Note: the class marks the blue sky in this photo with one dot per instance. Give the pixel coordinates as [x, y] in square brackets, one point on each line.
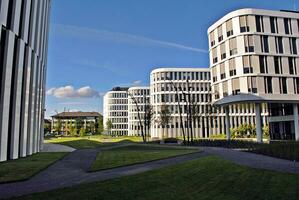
[95, 45]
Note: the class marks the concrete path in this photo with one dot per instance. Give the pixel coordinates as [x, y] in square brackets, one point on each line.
[49, 147]
[255, 160]
[72, 169]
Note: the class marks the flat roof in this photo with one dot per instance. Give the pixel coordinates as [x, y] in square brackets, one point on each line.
[77, 114]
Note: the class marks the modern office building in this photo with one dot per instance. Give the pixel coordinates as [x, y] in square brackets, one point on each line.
[23, 57]
[138, 99]
[254, 59]
[87, 120]
[116, 110]
[175, 87]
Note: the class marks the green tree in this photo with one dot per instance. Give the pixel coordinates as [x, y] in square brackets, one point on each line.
[109, 125]
[100, 126]
[82, 132]
[58, 126]
[73, 130]
[47, 128]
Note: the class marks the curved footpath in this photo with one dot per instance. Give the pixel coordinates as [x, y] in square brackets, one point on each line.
[72, 169]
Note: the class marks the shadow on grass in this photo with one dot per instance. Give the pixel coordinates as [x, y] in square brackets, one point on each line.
[86, 143]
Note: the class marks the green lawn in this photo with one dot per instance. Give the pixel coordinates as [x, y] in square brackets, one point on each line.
[205, 178]
[24, 168]
[135, 154]
[92, 141]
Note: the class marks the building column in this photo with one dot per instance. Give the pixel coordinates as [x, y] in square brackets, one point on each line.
[227, 123]
[296, 123]
[259, 131]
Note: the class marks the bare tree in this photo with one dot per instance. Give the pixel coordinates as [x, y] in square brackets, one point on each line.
[164, 117]
[138, 114]
[148, 117]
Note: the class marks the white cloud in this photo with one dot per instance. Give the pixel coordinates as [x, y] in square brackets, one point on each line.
[70, 92]
[137, 83]
[117, 37]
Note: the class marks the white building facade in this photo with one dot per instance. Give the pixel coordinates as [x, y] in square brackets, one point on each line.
[116, 110]
[23, 57]
[254, 59]
[174, 86]
[138, 99]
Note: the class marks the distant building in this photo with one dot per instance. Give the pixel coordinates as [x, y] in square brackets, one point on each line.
[174, 86]
[141, 96]
[116, 110]
[23, 64]
[87, 120]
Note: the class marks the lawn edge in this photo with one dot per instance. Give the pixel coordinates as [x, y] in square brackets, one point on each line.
[42, 169]
[137, 163]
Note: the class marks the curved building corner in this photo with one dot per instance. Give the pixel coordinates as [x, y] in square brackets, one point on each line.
[23, 56]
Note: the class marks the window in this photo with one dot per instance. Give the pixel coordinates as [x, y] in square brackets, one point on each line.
[212, 39]
[284, 85]
[233, 46]
[214, 55]
[222, 51]
[247, 69]
[222, 71]
[265, 44]
[297, 85]
[249, 44]
[214, 74]
[291, 66]
[293, 45]
[268, 84]
[273, 22]
[279, 45]
[277, 64]
[252, 84]
[244, 24]
[225, 90]
[263, 64]
[232, 67]
[229, 28]
[287, 25]
[236, 86]
[259, 23]
[216, 91]
[220, 33]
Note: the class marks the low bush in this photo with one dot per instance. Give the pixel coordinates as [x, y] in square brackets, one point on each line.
[170, 140]
[233, 144]
[281, 149]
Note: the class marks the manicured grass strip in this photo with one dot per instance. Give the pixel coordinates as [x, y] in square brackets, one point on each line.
[204, 178]
[24, 168]
[92, 141]
[134, 154]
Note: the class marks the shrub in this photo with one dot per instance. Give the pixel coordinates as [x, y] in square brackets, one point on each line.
[170, 140]
[82, 132]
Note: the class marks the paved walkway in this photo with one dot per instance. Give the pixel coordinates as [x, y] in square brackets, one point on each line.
[255, 160]
[49, 147]
[72, 170]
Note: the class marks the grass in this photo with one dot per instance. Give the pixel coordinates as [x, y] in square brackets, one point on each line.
[133, 154]
[205, 178]
[25, 168]
[92, 141]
